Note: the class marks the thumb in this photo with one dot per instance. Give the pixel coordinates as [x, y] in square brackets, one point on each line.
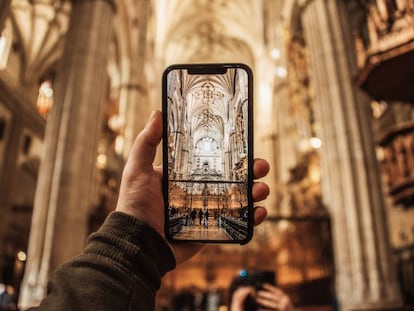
[145, 145]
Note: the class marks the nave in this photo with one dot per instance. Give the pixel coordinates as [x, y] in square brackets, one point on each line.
[199, 231]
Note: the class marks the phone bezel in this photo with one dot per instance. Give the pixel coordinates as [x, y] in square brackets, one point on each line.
[209, 68]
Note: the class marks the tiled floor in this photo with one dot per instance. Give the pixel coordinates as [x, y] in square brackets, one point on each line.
[197, 232]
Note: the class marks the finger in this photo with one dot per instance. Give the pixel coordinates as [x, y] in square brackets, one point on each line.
[274, 304]
[268, 304]
[243, 292]
[271, 288]
[264, 299]
[265, 294]
[271, 295]
[260, 191]
[260, 168]
[246, 290]
[145, 145]
[260, 214]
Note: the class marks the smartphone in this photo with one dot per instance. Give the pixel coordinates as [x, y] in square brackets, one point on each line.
[256, 279]
[207, 153]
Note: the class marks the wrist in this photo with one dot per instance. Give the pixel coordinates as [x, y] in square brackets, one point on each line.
[137, 238]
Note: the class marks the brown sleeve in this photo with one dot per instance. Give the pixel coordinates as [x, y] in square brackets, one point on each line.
[120, 269]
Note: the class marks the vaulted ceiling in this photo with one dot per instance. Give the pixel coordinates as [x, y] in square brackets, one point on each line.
[40, 27]
[208, 98]
[209, 30]
[176, 31]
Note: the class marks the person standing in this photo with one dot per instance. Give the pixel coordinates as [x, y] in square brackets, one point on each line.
[200, 216]
[193, 216]
[206, 218]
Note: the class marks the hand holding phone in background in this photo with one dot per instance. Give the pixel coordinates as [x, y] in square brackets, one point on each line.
[256, 290]
[268, 297]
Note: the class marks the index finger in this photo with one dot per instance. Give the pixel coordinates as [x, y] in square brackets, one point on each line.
[145, 145]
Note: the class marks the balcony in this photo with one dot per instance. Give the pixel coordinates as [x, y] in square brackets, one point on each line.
[386, 53]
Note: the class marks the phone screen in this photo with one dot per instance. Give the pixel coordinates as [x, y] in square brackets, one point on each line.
[207, 152]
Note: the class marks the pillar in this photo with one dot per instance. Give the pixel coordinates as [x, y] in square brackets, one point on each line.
[133, 98]
[8, 168]
[59, 221]
[365, 273]
[134, 113]
[277, 138]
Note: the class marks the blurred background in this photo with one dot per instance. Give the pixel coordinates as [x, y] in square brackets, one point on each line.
[333, 113]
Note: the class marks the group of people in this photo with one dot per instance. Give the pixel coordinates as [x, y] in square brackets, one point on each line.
[122, 264]
[202, 217]
[189, 219]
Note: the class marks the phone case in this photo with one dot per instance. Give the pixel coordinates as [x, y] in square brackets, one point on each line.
[207, 153]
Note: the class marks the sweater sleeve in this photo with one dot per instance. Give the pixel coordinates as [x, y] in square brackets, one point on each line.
[120, 269]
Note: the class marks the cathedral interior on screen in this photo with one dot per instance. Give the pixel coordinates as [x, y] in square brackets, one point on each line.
[207, 130]
[333, 112]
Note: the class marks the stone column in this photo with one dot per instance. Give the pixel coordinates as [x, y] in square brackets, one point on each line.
[135, 112]
[265, 124]
[133, 98]
[365, 272]
[4, 12]
[59, 222]
[8, 170]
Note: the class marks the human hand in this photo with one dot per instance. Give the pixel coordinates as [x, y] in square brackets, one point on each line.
[272, 298]
[268, 298]
[140, 193]
[239, 297]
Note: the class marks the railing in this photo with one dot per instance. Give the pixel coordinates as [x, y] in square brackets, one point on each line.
[176, 224]
[234, 227]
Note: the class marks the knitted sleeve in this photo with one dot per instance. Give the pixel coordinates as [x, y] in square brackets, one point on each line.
[120, 269]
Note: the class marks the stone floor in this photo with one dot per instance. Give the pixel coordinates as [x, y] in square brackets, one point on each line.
[201, 232]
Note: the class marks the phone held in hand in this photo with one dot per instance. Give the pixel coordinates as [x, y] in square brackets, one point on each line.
[207, 153]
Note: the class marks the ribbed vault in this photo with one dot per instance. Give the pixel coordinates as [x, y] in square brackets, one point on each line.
[194, 31]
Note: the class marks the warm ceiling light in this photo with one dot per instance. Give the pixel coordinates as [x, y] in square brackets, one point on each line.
[21, 256]
[119, 144]
[281, 72]
[275, 53]
[45, 97]
[101, 161]
[315, 142]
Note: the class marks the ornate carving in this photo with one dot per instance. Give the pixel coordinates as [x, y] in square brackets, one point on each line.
[385, 48]
[300, 92]
[388, 22]
[304, 184]
[305, 187]
[398, 147]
